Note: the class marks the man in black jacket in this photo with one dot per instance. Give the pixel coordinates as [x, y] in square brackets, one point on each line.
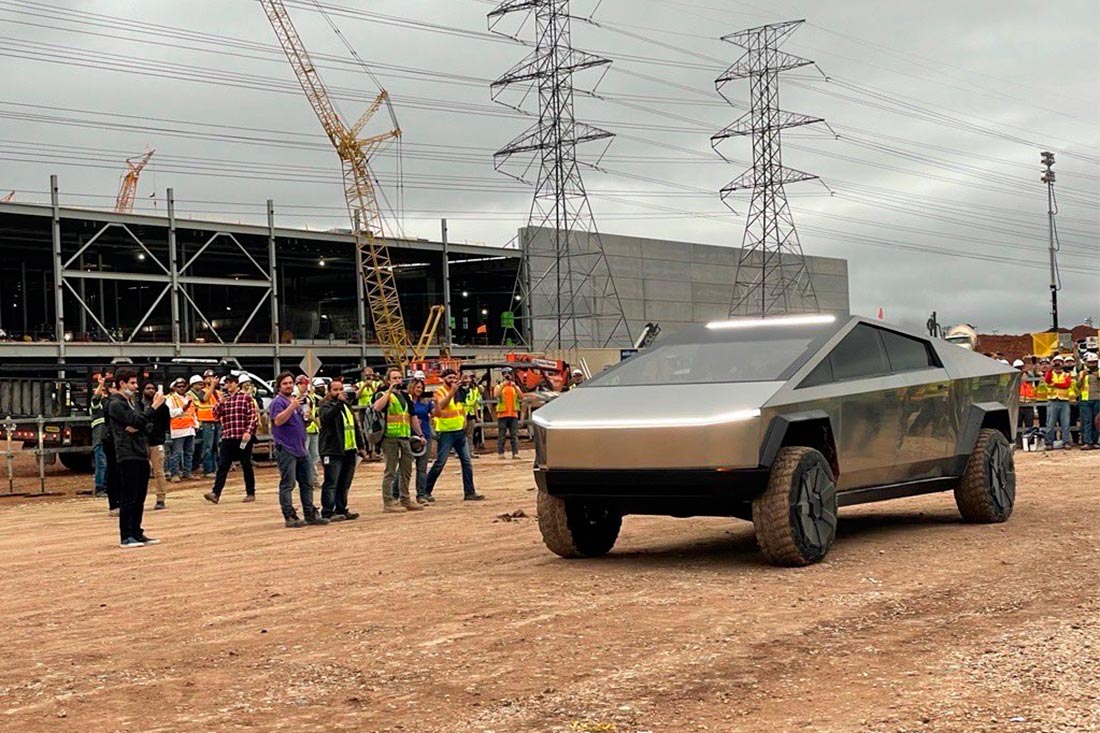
[129, 420]
[341, 442]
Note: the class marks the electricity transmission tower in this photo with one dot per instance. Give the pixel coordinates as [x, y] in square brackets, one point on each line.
[565, 291]
[772, 277]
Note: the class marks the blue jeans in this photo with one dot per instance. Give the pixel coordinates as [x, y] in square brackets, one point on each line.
[293, 469]
[100, 459]
[1058, 416]
[179, 461]
[454, 439]
[207, 457]
[1089, 410]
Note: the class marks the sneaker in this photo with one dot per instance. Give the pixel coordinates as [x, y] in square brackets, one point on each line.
[391, 507]
[335, 517]
[129, 542]
[421, 500]
[429, 498]
[349, 515]
[515, 456]
[248, 498]
[159, 505]
[211, 497]
[473, 497]
[176, 479]
[292, 522]
[100, 493]
[411, 506]
[147, 540]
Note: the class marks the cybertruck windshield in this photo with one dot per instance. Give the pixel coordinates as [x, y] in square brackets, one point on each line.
[725, 351]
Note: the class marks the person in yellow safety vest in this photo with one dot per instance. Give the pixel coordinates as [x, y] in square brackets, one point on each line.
[365, 391]
[1058, 383]
[1088, 386]
[449, 426]
[303, 390]
[184, 422]
[508, 396]
[473, 407]
[205, 397]
[400, 425]
[341, 441]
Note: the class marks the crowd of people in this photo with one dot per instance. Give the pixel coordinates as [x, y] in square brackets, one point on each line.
[1060, 396]
[201, 427]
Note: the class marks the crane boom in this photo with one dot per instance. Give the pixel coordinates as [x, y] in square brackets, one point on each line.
[127, 190]
[372, 255]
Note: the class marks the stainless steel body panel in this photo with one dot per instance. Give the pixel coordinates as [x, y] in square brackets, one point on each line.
[888, 429]
[658, 427]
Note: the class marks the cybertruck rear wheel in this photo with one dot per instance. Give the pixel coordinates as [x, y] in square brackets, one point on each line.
[575, 529]
[795, 517]
[986, 491]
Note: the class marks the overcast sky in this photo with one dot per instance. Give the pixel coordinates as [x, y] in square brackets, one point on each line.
[941, 107]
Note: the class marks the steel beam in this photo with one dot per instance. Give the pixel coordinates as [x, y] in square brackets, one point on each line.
[173, 270]
[58, 277]
[273, 272]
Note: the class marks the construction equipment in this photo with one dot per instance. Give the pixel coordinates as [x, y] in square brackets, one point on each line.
[535, 372]
[127, 190]
[435, 315]
[372, 256]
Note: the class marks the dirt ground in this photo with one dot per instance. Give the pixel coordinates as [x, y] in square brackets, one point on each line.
[452, 620]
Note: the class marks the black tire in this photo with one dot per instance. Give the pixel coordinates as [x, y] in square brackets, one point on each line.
[574, 529]
[986, 492]
[795, 518]
[76, 462]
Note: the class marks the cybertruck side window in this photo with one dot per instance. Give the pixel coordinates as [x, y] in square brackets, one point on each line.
[908, 354]
[859, 355]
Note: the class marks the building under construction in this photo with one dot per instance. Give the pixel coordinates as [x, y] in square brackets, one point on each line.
[157, 287]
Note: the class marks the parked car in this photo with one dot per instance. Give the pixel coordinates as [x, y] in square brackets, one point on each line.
[779, 421]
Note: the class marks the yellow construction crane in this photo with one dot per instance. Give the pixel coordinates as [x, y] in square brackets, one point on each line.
[124, 204]
[373, 259]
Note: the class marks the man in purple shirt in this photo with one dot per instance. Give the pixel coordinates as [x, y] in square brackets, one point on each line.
[288, 430]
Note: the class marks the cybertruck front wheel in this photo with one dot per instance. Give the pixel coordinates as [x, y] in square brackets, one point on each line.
[575, 529]
[795, 517]
[986, 491]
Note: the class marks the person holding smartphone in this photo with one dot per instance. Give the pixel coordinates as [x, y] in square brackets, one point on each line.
[401, 425]
[129, 419]
[237, 413]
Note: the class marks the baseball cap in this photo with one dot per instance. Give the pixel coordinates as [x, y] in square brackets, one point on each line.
[302, 379]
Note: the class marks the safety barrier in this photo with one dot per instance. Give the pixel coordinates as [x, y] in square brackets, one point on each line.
[41, 437]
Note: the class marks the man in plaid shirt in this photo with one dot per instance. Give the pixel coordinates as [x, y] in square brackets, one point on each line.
[238, 416]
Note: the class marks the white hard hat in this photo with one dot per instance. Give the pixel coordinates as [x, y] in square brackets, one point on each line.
[318, 382]
[1058, 359]
[578, 371]
[1018, 363]
[245, 379]
[418, 374]
[196, 379]
[1092, 356]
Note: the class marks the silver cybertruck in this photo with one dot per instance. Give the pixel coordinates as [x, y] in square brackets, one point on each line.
[779, 421]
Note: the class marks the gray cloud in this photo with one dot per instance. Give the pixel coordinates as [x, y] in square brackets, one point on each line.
[1028, 70]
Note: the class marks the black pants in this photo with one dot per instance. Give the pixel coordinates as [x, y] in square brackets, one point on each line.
[339, 472]
[113, 480]
[229, 451]
[134, 486]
